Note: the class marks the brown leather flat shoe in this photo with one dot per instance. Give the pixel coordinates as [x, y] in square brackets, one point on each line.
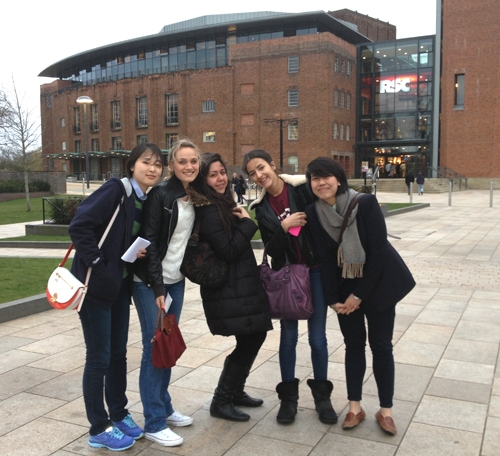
[352, 420]
[386, 423]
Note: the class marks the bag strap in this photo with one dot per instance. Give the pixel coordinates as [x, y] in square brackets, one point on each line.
[351, 207]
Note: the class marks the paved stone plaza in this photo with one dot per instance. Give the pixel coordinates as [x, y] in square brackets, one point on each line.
[446, 345]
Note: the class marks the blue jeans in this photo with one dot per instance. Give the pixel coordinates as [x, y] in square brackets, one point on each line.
[153, 382]
[106, 333]
[317, 336]
[420, 188]
[380, 332]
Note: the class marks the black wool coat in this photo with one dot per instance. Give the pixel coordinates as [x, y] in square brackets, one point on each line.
[386, 278]
[240, 305]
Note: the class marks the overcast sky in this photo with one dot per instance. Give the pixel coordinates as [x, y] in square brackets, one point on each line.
[36, 34]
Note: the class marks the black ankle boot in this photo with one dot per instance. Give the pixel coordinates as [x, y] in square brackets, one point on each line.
[222, 402]
[322, 391]
[242, 398]
[288, 393]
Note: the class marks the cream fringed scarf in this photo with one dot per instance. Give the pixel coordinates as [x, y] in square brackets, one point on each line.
[351, 256]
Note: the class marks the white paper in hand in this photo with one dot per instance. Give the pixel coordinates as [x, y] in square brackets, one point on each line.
[131, 254]
[168, 301]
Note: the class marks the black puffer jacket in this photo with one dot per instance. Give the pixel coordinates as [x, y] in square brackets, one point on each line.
[278, 242]
[240, 306]
[160, 219]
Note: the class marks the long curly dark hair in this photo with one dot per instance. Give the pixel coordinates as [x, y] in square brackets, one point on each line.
[223, 201]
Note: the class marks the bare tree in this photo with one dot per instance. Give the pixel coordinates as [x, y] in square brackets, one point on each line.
[20, 134]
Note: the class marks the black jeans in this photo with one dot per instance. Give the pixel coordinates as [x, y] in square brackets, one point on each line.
[105, 374]
[247, 348]
[380, 331]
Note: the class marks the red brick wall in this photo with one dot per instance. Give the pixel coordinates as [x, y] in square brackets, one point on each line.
[470, 138]
[374, 29]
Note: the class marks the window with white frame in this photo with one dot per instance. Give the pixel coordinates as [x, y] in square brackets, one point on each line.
[171, 109]
[347, 133]
[336, 98]
[335, 131]
[209, 136]
[171, 138]
[349, 68]
[142, 139]
[293, 97]
[115, 115]
[116, 143]
[348, 101]
[343, 66]
[294, 160]
[336, 65]
[208, 106]
[94, 117]
[142, 112]
[63, 145]
[342, 98]
[293, 131]
[293, 64]
[63, 122]
[78, 146]
[341, 132]
[95, 144]
[76, 118]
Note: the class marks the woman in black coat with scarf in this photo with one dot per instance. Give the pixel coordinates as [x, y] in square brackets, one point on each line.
[239, 307]
[364, 277]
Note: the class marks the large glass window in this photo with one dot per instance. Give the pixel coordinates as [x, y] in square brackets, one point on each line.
[171, 138]
[95, 145]
[116, 143]
[385, 57]
[172, 109]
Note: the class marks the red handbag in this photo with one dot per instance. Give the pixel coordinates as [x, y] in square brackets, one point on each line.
[168, 344]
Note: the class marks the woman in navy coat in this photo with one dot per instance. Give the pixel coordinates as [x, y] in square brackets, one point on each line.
[363, 278]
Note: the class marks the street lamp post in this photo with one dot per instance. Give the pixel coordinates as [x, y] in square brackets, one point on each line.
[281, 123]
[85, 100]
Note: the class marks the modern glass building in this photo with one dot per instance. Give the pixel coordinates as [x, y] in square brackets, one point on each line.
[395, 105]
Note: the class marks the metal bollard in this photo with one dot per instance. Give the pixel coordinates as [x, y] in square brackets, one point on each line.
[450, 192]
[491, 194]
[411, 192]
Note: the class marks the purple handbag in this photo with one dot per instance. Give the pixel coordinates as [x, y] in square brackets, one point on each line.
[288, 290]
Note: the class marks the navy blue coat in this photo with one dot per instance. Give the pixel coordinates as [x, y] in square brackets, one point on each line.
[386, 278]
[240, 305]
[86, 229]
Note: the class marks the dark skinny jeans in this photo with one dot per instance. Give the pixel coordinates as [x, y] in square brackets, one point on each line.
[380, 331]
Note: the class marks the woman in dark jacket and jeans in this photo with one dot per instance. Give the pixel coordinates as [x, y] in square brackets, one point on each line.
[279, 208]
[105, 312]
[364, 277]
[239, 307]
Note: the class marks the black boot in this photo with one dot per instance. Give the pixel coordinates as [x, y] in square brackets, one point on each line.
[288, 393]
[321, 391]
[222, 402]
[242, 398]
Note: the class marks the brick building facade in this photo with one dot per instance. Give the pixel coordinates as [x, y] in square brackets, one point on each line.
[470, 87]
[374, 29]
[310, 77]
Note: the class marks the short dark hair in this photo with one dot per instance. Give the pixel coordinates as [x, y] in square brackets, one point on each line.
[324, 167]
[256, 153]
[137, 152]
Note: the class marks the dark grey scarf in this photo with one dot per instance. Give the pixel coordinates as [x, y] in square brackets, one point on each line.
[351, 256]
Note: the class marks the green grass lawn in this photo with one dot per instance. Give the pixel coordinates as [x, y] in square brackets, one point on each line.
[15, 211]
[25, 277]
[38, 237]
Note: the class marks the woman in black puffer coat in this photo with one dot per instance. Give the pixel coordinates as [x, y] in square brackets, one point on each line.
[239, 307]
